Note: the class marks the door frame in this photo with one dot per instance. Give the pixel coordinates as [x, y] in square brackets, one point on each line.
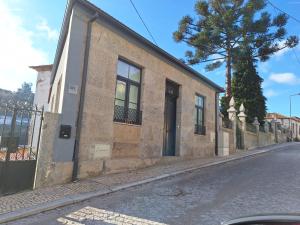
[175, 96]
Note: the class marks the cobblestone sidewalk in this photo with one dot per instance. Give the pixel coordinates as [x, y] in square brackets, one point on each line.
[31, 202]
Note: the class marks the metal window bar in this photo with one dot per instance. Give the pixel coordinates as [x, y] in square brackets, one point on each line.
[133, 116]
[200, 129]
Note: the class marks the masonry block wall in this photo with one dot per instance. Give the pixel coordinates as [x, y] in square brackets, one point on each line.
[134, 142]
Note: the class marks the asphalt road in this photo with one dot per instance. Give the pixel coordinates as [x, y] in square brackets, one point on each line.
[267, 183]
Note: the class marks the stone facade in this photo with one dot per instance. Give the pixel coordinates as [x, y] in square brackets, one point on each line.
[131, 143]
[106, 146]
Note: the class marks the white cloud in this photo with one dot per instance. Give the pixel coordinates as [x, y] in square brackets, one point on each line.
[16, 51]
[44, 28]
[270, 93]
[285, 78]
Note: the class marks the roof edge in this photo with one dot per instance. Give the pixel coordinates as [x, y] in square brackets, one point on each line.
[128, 31]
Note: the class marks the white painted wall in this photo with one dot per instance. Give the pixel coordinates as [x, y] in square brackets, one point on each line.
[42, 89]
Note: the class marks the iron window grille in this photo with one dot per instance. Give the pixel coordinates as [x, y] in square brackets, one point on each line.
[127, 95]
[199, 115]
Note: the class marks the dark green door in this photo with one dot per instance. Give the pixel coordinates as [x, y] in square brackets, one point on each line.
[170, 119]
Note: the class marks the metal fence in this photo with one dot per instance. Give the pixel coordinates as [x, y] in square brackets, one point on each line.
[227, 123]
[19, 132]
[251, 128]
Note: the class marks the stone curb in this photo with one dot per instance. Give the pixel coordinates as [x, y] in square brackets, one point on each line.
[21, 213]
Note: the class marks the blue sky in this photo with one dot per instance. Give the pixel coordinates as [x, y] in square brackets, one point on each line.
[32, 28]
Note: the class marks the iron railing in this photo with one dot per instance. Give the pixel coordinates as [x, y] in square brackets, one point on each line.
[262, 128]
[200, 129]
[127, 115]
[251, 128]
[227, 123]
[19, 132]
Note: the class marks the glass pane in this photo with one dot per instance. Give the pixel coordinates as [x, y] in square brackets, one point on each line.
[199, 101]
[120, 90]
[195, 116]
[132, 106]
[133, 94]
[123, 69]
[119, 102]
[200, 117]
[134, 74]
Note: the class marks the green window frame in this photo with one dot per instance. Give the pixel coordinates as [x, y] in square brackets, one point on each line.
[127, 93]
[200, 115]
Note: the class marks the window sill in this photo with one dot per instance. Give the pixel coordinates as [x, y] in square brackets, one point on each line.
[127, 124]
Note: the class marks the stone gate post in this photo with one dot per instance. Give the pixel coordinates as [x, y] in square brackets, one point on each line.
[232, 117]
[242, 117]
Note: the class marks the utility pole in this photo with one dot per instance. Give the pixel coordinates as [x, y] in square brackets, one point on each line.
[291, 132]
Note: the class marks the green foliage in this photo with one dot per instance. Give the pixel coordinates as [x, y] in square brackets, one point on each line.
[246, 88]
[221, 26]
[224, 105]
[22, 98]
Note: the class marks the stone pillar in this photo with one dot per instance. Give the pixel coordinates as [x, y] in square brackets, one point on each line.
[242, 117]
[266, 126]
[232, 117]
[273, 124]
[256, 124]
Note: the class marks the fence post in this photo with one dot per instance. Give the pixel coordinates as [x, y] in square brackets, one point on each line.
[256, 124]
[232, 117]
[266, 126]
[242, 117]
[273, 124]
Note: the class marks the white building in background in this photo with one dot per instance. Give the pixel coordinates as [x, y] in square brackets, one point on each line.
[285, 122]
[42, 86]
[41, 96]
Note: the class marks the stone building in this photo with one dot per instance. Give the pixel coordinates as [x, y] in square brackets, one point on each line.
[120, 102]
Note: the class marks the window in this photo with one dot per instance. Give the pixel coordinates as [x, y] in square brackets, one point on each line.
[127, 96]
[199, 115]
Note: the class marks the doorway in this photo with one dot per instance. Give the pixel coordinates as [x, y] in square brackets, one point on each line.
[171, 96]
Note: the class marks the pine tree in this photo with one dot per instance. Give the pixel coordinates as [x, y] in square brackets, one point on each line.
[246, 87]
[220, 26]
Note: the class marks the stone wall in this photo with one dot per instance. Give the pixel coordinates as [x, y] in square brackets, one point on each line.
[132, 146]
[48, 171]
[231, 139]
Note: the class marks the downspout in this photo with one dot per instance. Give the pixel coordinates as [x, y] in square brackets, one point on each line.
[82, 98]
[216, 123]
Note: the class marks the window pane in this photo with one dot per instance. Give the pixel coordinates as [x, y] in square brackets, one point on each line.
[199, 101]
[132, 106]
[119, 103]
[200, 117]
[133, 94]
[134, 74]
[195, 116]
[120, 90]
[123, 69]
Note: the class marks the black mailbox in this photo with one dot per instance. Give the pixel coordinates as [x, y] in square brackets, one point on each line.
[65, 131]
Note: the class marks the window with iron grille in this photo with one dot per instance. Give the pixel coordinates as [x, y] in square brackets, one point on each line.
[127, 96]
[199, 115]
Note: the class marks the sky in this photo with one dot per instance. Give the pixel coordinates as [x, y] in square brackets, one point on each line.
[30, 31]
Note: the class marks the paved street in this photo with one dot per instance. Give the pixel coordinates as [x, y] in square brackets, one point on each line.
[266, 183]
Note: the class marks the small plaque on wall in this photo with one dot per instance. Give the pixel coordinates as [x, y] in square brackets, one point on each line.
[102, 151]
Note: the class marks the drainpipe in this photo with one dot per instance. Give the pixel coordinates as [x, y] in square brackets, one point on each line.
[216, 123]
[82, 98]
